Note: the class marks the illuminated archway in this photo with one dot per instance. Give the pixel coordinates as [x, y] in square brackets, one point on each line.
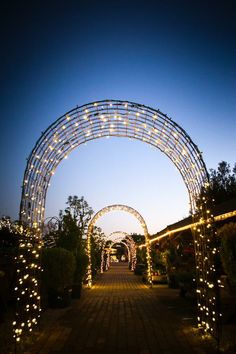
[137, 215]
[122, 243]
[127, 119]
[127, 238]
[122, 236]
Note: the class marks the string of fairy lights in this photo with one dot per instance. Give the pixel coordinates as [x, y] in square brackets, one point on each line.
[119, 241]
[28, 269]
[116, 118]
[98, 215]
[110, 244]
[117, 236]
[171, 232]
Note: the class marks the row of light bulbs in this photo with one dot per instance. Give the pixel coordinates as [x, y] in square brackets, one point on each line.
[67, 119]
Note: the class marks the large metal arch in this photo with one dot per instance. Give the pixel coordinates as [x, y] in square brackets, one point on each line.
[137, 215]
[100, 119]
[118, 118]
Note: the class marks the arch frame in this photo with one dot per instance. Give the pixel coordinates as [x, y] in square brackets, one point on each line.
[117, 118]
[115, 242]
[130, 242]
[128, 238]
[108, 118]
[138, 216]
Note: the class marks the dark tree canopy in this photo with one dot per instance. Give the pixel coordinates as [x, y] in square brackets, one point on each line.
[73, 223]
[222, 183]
[79, 210]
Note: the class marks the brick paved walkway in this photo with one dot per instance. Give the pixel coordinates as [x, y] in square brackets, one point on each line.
[121, 315]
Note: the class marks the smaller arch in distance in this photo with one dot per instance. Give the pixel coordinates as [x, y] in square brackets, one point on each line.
[130, 242]
[98, 215]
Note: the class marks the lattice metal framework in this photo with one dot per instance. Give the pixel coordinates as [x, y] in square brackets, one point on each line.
[118, 241]
[110, 118]
[133, 253]
[107, 251]
[121, 235]
[121, 239]
[51, 224]
[109, 242]
[137, 215]
[49, 228]
[28, 269]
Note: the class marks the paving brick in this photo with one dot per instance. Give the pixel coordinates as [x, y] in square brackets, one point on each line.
[120, 315]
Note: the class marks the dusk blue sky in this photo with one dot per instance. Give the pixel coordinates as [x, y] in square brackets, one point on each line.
[178, 56]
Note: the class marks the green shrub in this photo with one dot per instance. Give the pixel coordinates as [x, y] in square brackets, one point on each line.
[58, 268]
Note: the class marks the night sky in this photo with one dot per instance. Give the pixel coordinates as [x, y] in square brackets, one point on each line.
[178, 56]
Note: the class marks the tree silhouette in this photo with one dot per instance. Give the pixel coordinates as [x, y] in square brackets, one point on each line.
[222, 183]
